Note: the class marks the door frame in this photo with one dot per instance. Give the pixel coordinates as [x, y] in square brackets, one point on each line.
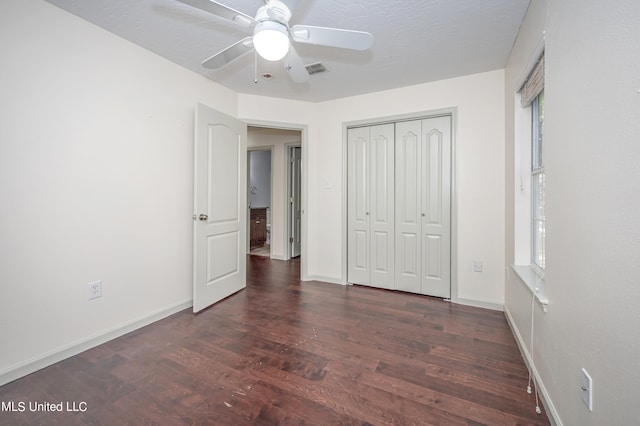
[304, 132]
[420, 115]
[249, 150]
[289, 233]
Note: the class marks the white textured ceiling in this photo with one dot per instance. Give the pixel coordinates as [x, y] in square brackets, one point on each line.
[416, 41]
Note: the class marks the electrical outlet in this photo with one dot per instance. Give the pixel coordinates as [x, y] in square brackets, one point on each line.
[95, 290]
[586, 389]
[477, 266]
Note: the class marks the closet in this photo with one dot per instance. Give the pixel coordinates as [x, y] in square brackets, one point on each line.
[399, 206]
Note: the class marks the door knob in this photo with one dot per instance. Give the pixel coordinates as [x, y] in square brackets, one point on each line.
[203, 217]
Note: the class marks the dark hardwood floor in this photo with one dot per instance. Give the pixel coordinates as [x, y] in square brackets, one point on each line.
[286, 352]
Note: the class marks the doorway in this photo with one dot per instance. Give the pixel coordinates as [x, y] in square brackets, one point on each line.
[259, 201]
[279, 142]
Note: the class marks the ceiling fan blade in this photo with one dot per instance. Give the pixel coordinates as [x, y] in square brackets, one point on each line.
[229, 54]
[295, 67]
[221, 10]
[332, 37]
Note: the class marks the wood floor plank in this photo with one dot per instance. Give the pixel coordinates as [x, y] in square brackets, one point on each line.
[473, 412]
[461, 386]
[286, 352]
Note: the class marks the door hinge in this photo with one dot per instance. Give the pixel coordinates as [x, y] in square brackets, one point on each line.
[291, 200]
[290, 239]
[291, 159]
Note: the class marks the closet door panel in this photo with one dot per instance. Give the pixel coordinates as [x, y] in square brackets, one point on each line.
[399, 206]
[381, 242]
[436, 206]
[361, 251]
[432, 259]
[382, 193]
[358, 188]
[408, 219]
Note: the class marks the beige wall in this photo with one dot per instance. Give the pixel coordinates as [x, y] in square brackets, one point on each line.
[593, 181]
[96, 172]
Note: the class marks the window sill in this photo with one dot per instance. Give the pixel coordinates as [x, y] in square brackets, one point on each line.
[534, 281]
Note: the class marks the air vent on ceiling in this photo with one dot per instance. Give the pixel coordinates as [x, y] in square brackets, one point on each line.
[315, 68]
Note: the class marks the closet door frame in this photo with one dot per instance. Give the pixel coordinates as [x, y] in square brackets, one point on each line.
[452, 112]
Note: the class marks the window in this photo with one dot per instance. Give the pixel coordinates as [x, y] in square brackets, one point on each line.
[530, 186]
[532, 101]
[537, 183]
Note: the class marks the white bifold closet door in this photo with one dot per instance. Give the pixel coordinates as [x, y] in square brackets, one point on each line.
[370, 153]
[399, 206]
[423, 206]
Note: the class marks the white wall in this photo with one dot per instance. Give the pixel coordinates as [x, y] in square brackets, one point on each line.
[479, 100]
[277, 139]
[593, 229]
[96, 153]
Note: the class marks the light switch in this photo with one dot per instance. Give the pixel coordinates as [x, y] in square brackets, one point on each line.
[586, 389]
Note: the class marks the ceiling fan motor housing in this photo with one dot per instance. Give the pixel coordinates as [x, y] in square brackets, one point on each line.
[271, 40]
[271, 33]
[274, 10]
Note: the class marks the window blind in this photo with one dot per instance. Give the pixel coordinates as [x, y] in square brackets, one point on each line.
[534, 84]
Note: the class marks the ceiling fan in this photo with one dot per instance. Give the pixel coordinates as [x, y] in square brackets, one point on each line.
[272, 35]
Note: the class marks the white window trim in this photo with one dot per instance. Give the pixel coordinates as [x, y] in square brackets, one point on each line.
[534, 174]
[522, 184]
[534, 281]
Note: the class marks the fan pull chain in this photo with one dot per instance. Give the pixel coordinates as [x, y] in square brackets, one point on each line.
[255, 66]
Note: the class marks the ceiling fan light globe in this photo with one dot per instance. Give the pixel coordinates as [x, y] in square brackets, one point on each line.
[271, 40]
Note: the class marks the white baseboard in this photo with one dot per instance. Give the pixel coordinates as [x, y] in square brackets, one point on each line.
[479, 304]
[552, 413]
[277, 257]
[325, 279]
[32, 365]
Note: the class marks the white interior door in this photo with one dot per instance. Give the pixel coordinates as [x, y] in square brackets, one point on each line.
[423, 206]
[436, 206]
[219, 253]
[295, 200]
[370, 210]
[399, 206]
[408, 214]
[358, 217]
[381, 155]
